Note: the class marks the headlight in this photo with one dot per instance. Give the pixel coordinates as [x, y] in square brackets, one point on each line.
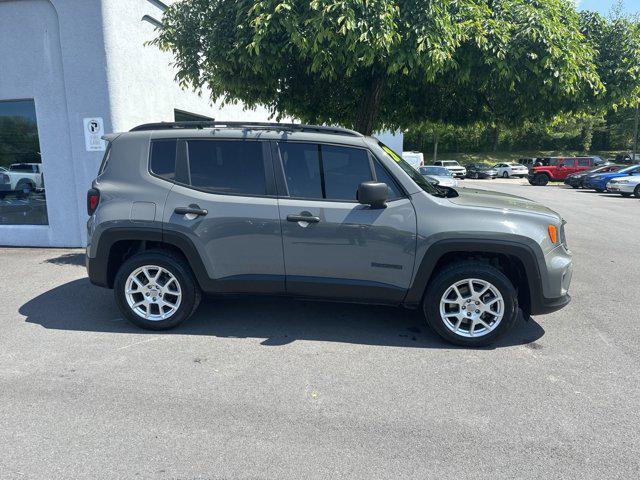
[563, 236]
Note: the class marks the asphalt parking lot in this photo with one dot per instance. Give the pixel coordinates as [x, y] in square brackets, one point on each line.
[279, 389]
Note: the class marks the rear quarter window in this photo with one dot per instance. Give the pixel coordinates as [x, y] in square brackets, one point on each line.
[163, 158]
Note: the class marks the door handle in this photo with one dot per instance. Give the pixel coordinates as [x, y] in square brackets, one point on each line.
[303, 218]
[191, 211]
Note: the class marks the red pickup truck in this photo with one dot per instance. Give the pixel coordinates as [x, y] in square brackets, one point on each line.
[558, 168]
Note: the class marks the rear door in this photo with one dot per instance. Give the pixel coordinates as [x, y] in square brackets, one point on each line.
[584, 163]
[335, 247]
[224, 201]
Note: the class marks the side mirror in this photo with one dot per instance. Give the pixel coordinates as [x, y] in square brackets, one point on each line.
[374, 194]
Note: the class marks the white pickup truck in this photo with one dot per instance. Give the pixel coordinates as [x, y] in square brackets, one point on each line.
[21, 178]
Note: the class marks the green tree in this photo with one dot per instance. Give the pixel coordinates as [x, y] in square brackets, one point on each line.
[381, 63]
[18, 140]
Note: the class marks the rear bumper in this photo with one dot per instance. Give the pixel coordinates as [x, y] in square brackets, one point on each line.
[573, 182]
[97, 271]
[595, 185]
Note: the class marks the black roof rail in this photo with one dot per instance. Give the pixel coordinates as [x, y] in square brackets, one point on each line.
[293, 127]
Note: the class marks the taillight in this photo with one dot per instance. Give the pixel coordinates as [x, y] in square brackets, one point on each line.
[422, 163]
[93, 199]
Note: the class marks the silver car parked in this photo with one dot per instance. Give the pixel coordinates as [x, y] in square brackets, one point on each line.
[179, 209]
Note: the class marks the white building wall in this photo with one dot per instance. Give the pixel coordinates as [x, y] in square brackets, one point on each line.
[88, 58]
[51, 52]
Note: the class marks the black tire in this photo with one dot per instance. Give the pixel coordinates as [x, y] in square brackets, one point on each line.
[636, 191]
[179, 268]
[461, 271]
[541, 179]
[599, 190]
[575, 186]
[24, 189]
[505, 175]
[625, 194]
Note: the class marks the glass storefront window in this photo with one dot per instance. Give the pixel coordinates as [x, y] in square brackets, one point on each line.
[22, 195]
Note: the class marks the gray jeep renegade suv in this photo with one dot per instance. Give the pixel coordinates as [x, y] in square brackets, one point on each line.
[220, 208]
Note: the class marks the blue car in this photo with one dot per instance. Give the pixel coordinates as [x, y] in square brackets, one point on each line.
[598, 182]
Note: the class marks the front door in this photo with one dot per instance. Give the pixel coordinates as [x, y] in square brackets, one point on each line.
[224, 201]
[335, 247]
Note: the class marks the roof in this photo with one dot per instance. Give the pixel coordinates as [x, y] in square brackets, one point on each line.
[281, 127]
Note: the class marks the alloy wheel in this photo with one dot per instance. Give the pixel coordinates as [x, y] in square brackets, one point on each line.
[472, 308]
[153, 293]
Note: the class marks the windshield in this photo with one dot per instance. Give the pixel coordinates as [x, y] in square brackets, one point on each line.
[409, 170]
[632, 168]
[436, 171]
[451, 164]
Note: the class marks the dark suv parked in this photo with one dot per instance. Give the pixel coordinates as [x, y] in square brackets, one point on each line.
[316, 212]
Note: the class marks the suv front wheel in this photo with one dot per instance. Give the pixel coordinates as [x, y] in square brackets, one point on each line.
[156, 290]
[471, 304]
[539, 179]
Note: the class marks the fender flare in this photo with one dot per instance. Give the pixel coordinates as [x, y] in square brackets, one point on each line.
[524, 249]
[98, 266]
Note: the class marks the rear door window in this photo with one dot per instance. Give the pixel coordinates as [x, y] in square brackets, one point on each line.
[234, 167]
[584, 162]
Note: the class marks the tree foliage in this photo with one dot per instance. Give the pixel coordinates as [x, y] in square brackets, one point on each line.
[381, 63]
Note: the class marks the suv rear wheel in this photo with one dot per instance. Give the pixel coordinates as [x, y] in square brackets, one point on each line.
[471, 304]
[156, 290]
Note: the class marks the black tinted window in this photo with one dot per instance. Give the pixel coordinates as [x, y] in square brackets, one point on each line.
[227, 166]
[324, 171]
[344, 170]
[584, 162]
[385, 177]
[301, 163]
[163, 158]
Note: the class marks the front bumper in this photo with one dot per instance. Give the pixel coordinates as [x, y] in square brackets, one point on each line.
[543, 306]
[558, 275]
[620, 187]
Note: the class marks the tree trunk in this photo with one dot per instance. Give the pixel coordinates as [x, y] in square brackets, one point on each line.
[635, 133]
[369, 107]
[496, 136]
[435, 147]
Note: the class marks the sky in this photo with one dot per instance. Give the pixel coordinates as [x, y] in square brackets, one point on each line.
[603, 6]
